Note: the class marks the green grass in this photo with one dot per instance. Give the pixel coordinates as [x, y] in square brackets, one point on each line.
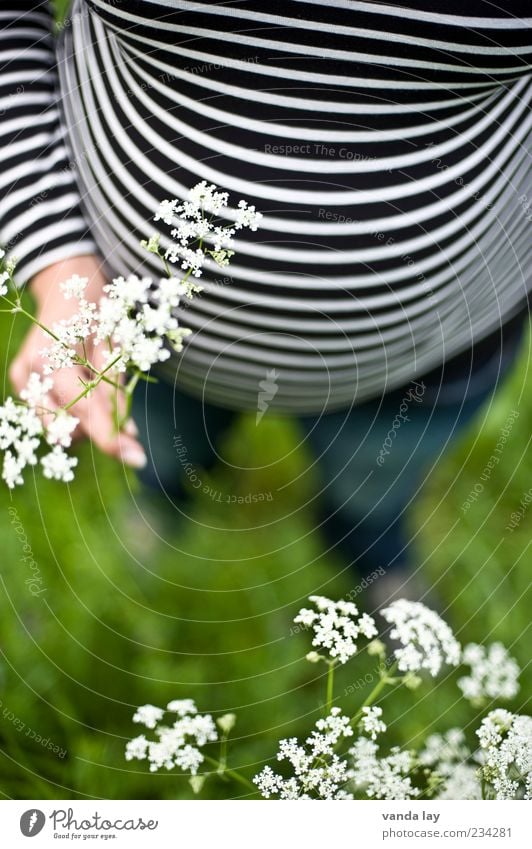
[129, 617]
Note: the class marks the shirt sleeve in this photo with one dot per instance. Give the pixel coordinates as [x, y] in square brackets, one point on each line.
[41, 221]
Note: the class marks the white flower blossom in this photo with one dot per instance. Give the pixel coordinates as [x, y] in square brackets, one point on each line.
[198, 237]
[463, 783]
[183, 707]
[336, 626]
[57, 465]
[506, 748]
[166, 211]
[494, 674]
[137, 748]
[381, 777]
[427, 641]
[74, 287]
[20, 427]
[148, 715]
[60, 429]
[177, 745]
[247, 216]
[319, 773]
[36, 390]
[12, 470]
[371, 721]
[449, 757]
[135, 324]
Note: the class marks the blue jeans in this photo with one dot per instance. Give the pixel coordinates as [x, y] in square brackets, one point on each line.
[371, 459]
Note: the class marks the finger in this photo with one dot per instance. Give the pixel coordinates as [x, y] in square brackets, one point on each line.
[96, 418]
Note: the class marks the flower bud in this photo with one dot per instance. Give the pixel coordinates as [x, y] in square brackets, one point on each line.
[196, 782]
[226, 722]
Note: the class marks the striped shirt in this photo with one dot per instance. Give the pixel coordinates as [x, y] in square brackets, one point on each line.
[386, 144]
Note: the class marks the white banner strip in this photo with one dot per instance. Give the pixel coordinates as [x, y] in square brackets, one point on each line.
[263, 825]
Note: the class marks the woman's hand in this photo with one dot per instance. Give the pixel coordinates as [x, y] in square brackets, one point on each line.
[95, 412]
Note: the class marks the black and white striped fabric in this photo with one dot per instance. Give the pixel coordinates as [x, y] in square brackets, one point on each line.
[387, 145]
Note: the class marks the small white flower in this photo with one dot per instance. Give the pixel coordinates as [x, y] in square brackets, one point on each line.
[36, 390]
[183, 707]
[58, 465]
[247, 216]
[319, 773]
[166, 211]
[427, 641]
[11, 471]
[371, 722]
[60, 429]
[177, 745]
[494, 674]
[506, 746]
[136, 748]
[26, 447]
[336, 626]
[74, 287]
[148, 715]
[382, 777]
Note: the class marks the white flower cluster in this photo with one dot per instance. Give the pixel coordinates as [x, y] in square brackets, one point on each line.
[448, 756]
[134, 323]
[381, 777]
[427, 641]
[336, 625]
[371, 722]
[506, 747]
[134, 320]
[194, 222]
[177, 745]
[21, 433]
[494, 674]
[319, 773]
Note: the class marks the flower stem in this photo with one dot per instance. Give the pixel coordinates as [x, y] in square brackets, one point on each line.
[92, 385]
[386, 677]
[232, 773]
[330, 688]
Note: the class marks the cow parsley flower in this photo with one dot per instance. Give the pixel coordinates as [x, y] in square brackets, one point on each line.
[36, 390]
[60, 429]
[449, 757]
[74, 287]
[198, 236]
[183, 707]
[177, 745]
[12, 470]
[20, 429]
[506, 747]
[494, 674]
[134, 323]
[463, 783]
[427, 641]
[148, 715]
[371, 721]
[336, 626]
[381, 777]
[137, 748]
[57, 465]
[318, 772]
